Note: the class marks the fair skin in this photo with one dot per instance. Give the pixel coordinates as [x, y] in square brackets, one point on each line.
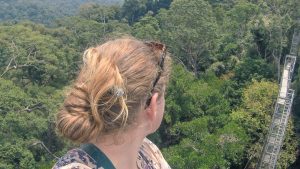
[124, 154]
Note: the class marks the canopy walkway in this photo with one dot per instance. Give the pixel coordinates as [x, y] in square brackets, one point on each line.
[282, 110]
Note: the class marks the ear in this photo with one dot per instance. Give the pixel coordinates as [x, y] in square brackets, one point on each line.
[152, 108]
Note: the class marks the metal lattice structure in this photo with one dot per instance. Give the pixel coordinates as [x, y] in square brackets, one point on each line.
[282, 110]
[280, 118]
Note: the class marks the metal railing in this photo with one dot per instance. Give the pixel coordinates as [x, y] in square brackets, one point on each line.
[282, 110]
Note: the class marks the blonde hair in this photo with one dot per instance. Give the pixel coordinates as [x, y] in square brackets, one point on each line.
[114, 83]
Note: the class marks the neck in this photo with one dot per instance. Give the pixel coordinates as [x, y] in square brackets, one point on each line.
[123, 152]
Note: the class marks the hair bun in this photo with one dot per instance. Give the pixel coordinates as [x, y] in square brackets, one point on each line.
[76, 127]
[74, 120]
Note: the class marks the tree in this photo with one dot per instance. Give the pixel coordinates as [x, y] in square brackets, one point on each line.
[250, 69]
[188, 98]
[273, 29]
[25, 119]
[29, 56]
[89, 33]
[189, 28]
[147, 28]
[255, 117]
[99, 13]
[200, 148]
[132, 10]
[236, 23]
[45, 11]
[86, 32]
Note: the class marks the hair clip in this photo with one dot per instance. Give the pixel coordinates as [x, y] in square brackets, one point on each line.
[119, 92]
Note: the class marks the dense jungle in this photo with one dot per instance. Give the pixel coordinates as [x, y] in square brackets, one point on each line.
[228, 57]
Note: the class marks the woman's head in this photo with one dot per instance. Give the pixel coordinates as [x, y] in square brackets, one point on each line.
[116, 82]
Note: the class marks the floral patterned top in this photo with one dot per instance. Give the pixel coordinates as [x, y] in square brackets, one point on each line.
[149, 157]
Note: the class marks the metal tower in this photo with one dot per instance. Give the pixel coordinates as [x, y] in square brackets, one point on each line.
[282, 110]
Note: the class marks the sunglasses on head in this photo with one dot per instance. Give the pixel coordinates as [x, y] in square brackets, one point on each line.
[161, 47]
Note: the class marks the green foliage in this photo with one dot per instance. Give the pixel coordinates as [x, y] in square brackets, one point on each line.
[221, 94]
[87, 32]
[26, 117]
[235, 23]
[288, 153]
[189, 98]
[255, 116]
[99, 13]
[14, 99]
[250, 69]
[133, 10]
[15, 153]
[30, 56]
[147, 28]
[233, 141]
[257, 109]
[90, 32]
[197, 118]
[191, 38]
[202, 149]
[43, 11]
